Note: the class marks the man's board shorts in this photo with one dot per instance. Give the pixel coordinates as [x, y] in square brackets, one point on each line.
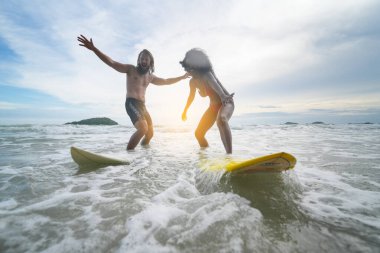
[136, 110]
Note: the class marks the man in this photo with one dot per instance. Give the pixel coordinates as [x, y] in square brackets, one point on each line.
[138, 79]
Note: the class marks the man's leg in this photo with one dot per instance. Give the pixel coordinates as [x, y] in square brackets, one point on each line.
[148, 136]
[142, 128]
[207, 120]
[149, 133]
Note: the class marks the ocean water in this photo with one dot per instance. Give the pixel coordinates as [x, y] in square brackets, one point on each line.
[165, 201]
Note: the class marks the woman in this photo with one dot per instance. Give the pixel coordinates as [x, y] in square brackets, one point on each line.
[198, 65]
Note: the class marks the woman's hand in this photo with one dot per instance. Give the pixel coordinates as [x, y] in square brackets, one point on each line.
[228, 99]
[184, 117]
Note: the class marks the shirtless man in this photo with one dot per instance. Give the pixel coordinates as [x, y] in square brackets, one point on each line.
[138, 79]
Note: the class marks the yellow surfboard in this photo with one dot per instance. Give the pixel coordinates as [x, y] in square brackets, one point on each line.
[270, 163]
[86, 159]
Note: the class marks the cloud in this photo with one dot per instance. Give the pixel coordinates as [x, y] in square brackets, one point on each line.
[11, 106]
[255, 47]
[268, 107]
[312, 115]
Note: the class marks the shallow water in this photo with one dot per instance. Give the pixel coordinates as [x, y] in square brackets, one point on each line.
[165, 202]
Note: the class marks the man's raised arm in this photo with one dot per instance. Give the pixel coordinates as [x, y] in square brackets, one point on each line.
[123, 68]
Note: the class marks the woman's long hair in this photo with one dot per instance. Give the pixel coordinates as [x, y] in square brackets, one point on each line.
[196, 60]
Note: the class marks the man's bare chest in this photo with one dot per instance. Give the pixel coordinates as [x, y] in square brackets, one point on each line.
[136, 80]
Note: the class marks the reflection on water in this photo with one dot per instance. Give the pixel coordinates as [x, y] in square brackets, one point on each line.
[276, 195]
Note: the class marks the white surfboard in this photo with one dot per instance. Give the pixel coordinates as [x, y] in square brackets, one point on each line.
[87, 159]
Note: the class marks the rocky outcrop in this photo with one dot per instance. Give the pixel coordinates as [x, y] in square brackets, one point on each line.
[94, 121]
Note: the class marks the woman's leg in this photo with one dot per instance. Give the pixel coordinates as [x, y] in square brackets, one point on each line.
[224, 116]
[208, 119]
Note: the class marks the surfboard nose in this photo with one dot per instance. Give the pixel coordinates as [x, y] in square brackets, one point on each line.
[85, 158]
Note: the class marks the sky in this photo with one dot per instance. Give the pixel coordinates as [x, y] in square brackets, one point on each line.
[287, 61]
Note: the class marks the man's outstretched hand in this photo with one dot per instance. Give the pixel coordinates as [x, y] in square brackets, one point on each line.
[86, 43]
[186, 75]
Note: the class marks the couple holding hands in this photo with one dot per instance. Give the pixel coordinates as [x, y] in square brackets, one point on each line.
[197, 65]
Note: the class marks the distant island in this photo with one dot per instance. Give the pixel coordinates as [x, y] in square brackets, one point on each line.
[94, 121]
[318, 123]
[364, 123]
[291, 123]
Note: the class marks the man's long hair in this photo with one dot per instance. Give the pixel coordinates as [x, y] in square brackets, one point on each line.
[151, 66]
[196, 60]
